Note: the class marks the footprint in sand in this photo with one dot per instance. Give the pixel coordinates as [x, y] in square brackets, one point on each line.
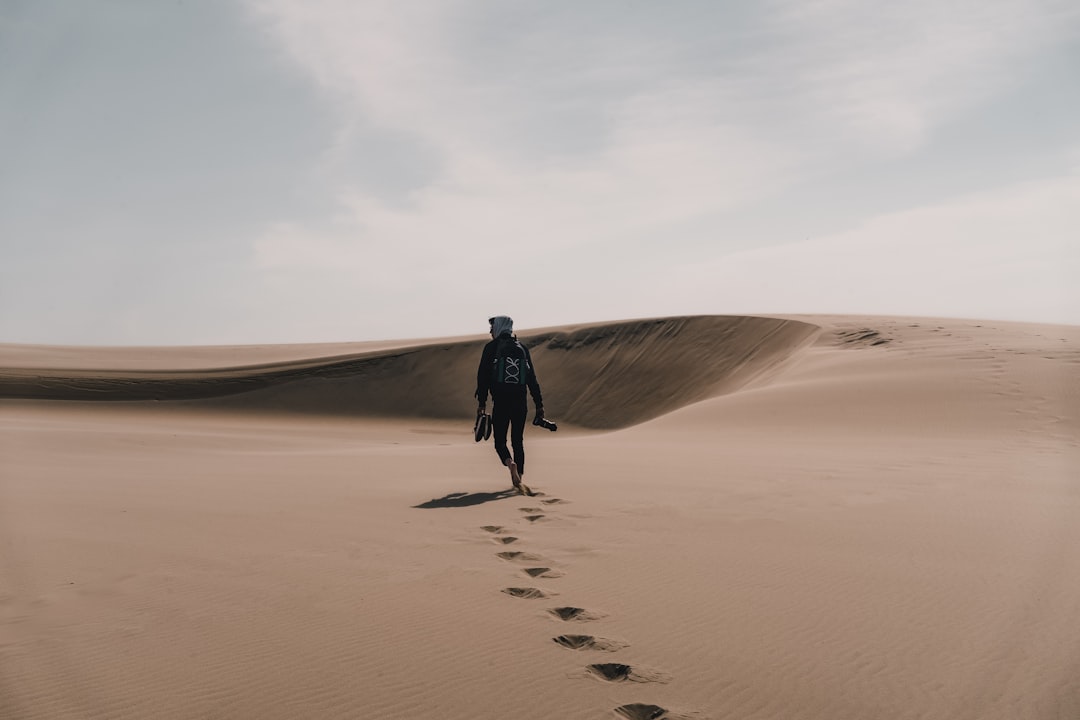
[526, 593]
[518, 556]
[575, 614]
[543, 572]
[493, 528]
[645, 711]
[641, 711]
[506, 539]
[530, 510]
[554, 501]
[617, 672]
[589, 642]
[534, 518]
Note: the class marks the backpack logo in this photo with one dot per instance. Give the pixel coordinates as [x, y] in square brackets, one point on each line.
[512, 371]
[510, 364]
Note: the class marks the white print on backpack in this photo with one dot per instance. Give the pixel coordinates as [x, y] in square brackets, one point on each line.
[512, 371]
[511, 364]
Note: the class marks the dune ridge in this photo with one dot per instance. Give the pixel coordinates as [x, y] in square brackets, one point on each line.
[606, 376]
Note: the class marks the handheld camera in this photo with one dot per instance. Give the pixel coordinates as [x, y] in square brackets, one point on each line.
[545, 423]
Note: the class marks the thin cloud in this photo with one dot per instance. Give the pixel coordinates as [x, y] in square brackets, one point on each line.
[890, 73]
[828, 81]
[588, 161]
[663, 156]
[1007, 254]
[683, 131]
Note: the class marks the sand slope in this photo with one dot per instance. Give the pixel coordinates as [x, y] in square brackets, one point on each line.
[845, 517]
[610, 375]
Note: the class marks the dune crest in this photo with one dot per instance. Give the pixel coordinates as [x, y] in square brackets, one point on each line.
[597, 376]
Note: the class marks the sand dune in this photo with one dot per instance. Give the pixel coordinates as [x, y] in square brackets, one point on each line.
[601, 376]
[801, 517]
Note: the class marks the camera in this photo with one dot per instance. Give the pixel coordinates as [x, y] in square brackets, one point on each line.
[545, 423]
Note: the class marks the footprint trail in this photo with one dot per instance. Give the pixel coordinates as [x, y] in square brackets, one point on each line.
[608, 672]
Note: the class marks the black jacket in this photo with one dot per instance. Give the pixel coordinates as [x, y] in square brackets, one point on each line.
[485, 381]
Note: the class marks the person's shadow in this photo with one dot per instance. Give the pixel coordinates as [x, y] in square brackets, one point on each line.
[461, 499]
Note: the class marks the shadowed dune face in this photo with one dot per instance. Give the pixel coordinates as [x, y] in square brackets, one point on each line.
[602, 376]
[623, 374]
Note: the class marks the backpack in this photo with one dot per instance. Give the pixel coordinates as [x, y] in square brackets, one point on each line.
[511, 367]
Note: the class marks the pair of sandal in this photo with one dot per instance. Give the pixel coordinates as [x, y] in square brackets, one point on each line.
[482, 429]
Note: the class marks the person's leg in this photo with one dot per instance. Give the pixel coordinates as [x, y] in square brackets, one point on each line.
[500, 421]
[518, 417]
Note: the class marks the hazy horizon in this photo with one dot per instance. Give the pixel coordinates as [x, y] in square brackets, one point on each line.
[273, 171]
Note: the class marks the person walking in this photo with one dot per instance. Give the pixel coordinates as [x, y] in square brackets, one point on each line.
[506, 372]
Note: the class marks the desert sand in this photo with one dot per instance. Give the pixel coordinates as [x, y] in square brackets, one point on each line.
[740, 517]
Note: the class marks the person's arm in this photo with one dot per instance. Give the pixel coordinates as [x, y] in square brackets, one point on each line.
[534, 386]
[483, 375]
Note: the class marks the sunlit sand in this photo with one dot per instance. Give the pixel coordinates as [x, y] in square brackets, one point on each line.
[799, 517]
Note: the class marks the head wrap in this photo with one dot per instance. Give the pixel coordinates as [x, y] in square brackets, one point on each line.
[501, 325]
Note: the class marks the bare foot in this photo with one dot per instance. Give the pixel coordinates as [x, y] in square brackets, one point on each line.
[515, 476]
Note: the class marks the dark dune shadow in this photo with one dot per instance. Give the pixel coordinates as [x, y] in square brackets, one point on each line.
[460, 499]
[602, 376]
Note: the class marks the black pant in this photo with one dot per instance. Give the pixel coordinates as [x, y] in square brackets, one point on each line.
[509, 411]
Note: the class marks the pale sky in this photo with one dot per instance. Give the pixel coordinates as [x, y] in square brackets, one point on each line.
[256, 171]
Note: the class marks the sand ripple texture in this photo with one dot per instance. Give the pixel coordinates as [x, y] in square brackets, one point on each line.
[827, 517]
